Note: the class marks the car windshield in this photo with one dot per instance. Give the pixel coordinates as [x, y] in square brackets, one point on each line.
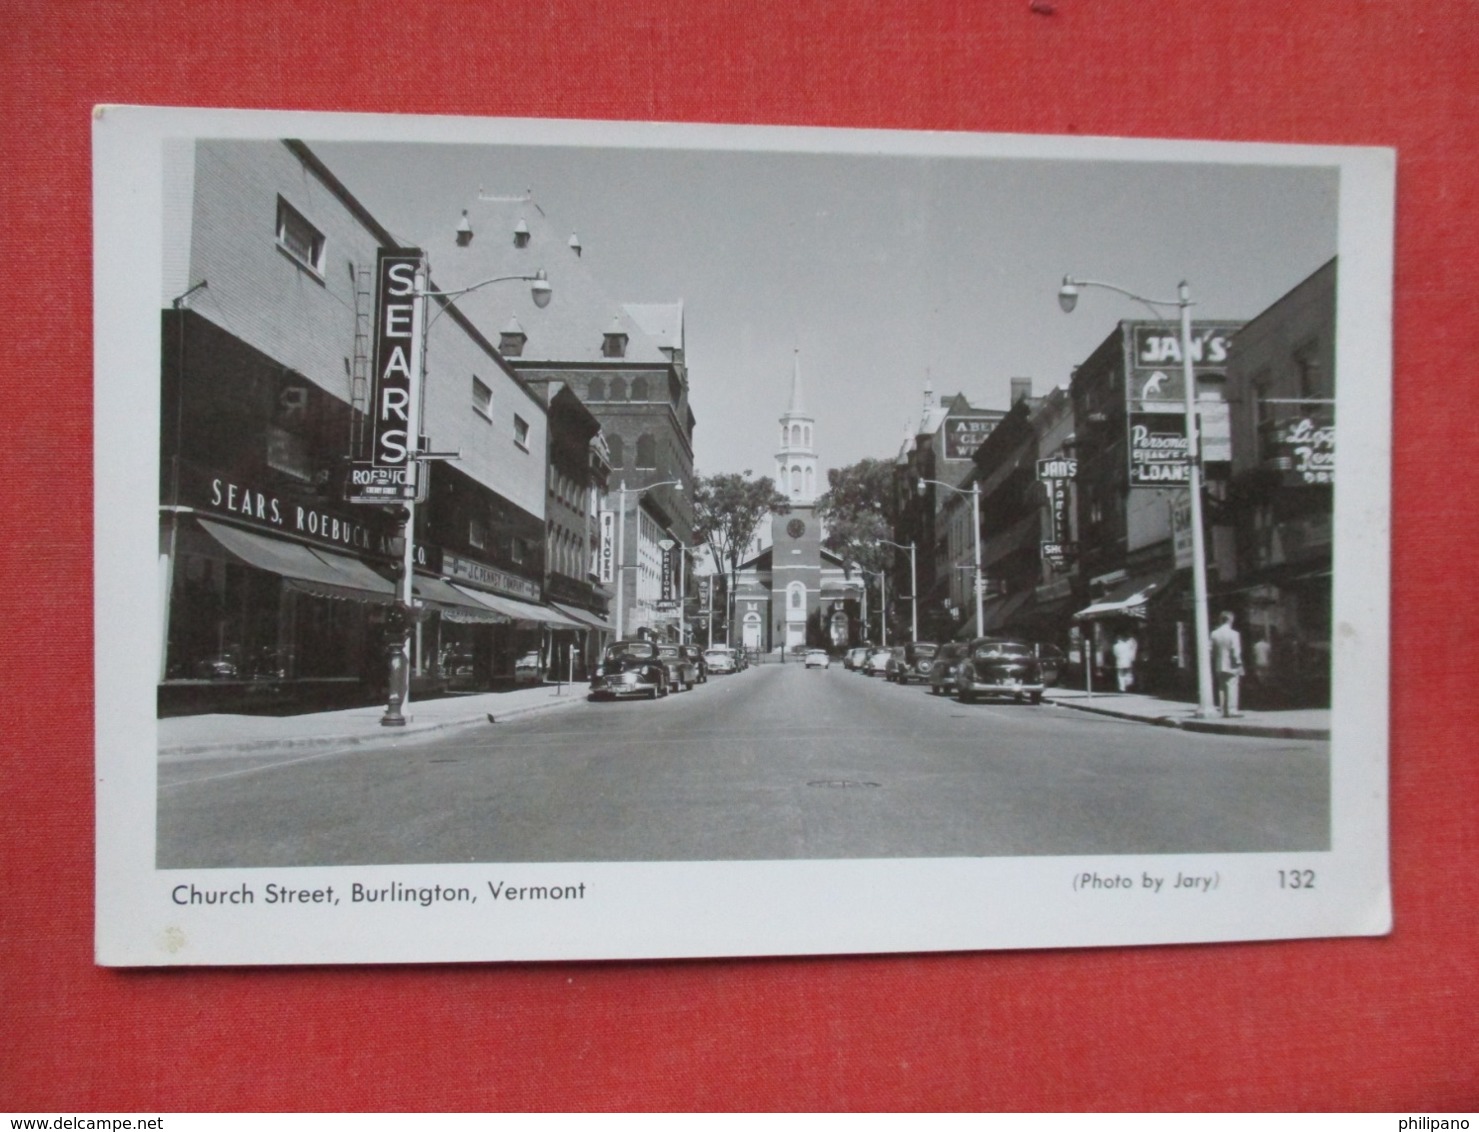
[641, 650]
[1002, 650]
[923, 652]
[722, 654]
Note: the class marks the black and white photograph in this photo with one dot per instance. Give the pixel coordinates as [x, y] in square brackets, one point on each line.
[524, 540]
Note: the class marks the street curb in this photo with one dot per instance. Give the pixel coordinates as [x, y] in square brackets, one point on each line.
[536, 709]
[357, 739]
[1205, 726]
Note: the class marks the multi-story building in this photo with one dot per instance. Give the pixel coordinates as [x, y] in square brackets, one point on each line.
[275, 587]
[624, 360]
[939, 450]
[1132, 503]
[1281, 386]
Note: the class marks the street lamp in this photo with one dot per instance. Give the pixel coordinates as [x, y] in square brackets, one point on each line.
[1068, 299]
[621, 546]
[975, 494]
[913, 588]
[399, 696]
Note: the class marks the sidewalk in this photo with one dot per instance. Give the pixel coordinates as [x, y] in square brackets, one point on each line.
[1297, 723]
[223, 734]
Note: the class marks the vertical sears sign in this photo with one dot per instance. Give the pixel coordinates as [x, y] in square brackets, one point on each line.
[396, 327]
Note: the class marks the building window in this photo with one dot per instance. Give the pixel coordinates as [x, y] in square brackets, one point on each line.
[518, 549]
[618, 450]
[614, 345]
[521, 432]
[511, 344]
[299, 239]
[477, 532]
[596, 391]
[639, 389]
[521, 235]
[646, 452]
[482, 398]
[618, 389]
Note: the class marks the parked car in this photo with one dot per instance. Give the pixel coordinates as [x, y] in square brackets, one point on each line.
[912, 662]
[876, 662]
[895, 663]
[818, 658]
[943, 668]
[527, 669]
[852, 660]
[1054, 664]
[999, 666]
[682, 673]
[630, 668]
[720, 660]
[695, 656]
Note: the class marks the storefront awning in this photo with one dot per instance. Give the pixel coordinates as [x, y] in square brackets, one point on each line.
[1127, 599]
[452, 605]
[321, 573]
[516, 610]
[584, 616]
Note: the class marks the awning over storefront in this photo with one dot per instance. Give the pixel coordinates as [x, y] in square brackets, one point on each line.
[321, 573]
[1127, 599]
[996, 613]
[516, 610]
[584, 616]
[453, 606]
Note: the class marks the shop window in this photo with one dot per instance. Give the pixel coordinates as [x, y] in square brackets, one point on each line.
[646, 453]
[299, 239]
[521, 432]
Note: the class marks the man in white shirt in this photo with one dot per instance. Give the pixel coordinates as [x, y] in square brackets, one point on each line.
[1227, 664]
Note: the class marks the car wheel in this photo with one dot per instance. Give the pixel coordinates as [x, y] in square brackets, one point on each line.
[652, 693]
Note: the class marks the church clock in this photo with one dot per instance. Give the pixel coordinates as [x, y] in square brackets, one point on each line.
[795, 528]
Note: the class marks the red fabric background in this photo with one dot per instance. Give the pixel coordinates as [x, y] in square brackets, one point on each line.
[1384, 1023]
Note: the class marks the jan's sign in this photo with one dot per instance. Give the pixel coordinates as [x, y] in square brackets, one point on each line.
[1158, 450]
[396, 330]
[1155, 373]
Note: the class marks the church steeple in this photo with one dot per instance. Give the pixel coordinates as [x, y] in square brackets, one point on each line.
[796, 460]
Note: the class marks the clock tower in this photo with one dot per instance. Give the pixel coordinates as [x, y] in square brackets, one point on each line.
[796, 537]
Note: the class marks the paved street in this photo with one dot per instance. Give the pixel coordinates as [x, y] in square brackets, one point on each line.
[774, 763]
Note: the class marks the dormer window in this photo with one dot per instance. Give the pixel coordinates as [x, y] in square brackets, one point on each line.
[521, 235]
[511, 340]
[614, 345]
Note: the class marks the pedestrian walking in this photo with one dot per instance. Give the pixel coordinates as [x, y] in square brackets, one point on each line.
[1125, 649]
[1227, 664]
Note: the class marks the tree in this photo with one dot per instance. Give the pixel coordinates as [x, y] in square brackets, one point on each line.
[728, 509]
[858, 512]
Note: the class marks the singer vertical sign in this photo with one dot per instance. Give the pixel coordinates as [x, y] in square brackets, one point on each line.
[391, 473]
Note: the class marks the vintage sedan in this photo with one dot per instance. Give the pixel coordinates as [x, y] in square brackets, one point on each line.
[914, 663]
[630, 668]
[999, 666]
[720, 659]
[943, 668]
[682, 672]
[852, 660]
[876, 662]
[818, 658]
[695, 657]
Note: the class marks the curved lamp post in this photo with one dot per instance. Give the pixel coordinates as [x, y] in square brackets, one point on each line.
[400, 658]
[975, 494]
[913, 588]
[1068, 299]
[621, 547]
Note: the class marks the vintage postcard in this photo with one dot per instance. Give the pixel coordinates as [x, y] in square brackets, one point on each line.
[590, 540]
